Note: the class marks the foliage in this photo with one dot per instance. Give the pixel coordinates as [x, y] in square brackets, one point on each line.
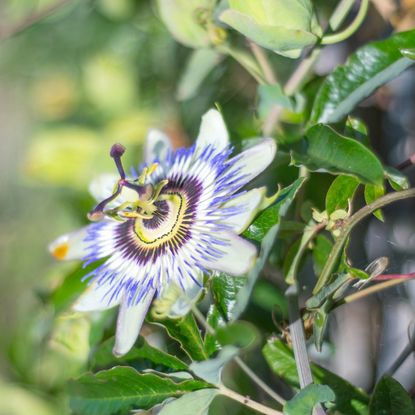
[121, 70]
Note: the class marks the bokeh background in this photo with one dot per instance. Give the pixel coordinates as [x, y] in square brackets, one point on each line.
[97, 72]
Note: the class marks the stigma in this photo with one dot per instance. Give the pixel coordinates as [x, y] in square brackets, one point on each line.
[142, 206]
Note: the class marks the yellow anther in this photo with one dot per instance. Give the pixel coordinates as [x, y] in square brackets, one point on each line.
[152, 169]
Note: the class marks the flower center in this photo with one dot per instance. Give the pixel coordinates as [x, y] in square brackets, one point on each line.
[166, 223]
[144, 206]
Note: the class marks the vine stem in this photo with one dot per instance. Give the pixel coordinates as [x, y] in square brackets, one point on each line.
[245, 400]
[346, 33]
[349, 225]
[371, 290]
[263, 62]
[297, 78]
[248, 371]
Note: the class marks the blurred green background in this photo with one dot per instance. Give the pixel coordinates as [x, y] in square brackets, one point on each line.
[98, 72]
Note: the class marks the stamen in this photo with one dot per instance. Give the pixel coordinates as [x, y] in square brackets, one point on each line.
[117, 150]
[98, 213]
[142, 208]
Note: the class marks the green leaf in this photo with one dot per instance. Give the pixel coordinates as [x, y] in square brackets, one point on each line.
[390, 398]
[309, 231]
[121, 389]
[409, 53]
[270, 95]
[321, 251]
[271, 216]
[193, 403]
[181, 19]
[187, 333]
[304, 401]
[349, 399]
[210, 370]
[239, 333]
[327, 291]
[215, 319]
[224, 289]
[396, 179]
[72, 286]
[284, 27]
[356, 128]
[323, 149]
[365, 70]
[340, 191]
[372, 193]
[265, 229]
[198, 67]
[267, 296]
[142, 350]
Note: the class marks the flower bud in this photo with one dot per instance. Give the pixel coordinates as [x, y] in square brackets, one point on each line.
[189, 21]
[286, 27]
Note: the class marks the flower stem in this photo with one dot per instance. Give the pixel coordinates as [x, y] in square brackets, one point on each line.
[371, 290]
[346, 33]
[349, 225]
[245, 400]
[407, 163]
[299, 76]
[263, 62]
[248, 371]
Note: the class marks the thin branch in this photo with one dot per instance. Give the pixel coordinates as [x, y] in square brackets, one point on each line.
[249, 372]
[245, 400]
[349, 225]
[298, 337]
[262, 59]
[351, 29]
[407, 163]
[371, 290]
[298, 340]
[8, 32]
[409, 348]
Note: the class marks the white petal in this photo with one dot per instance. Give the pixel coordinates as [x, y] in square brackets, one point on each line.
[157, 146]
[96, 298]
[248, 203]
[70, 246]
[239, 256]
[129, 322]
[103, 186]
[213, 131]
[253, 161]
